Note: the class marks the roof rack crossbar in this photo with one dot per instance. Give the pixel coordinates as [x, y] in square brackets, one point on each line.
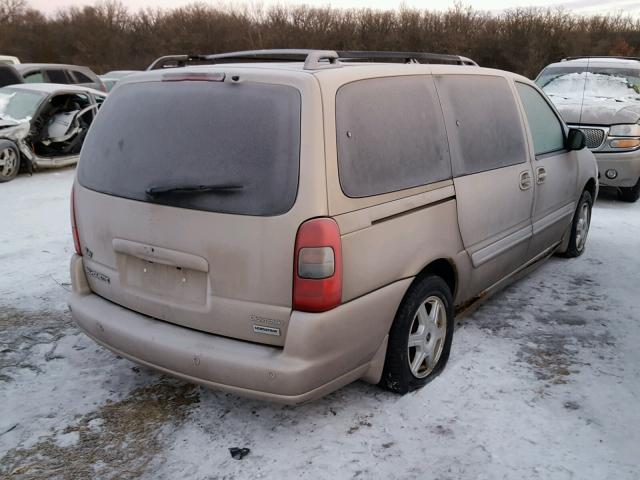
[321, 59]
[313, 59]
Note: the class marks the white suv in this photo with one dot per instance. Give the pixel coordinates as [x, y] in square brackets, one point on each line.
[601, 96]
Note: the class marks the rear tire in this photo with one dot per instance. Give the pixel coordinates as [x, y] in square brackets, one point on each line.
[420, 337]
[9, 160]
[580, 226]
[630, 194]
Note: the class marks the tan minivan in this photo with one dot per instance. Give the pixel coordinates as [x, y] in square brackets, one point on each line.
[280, 229]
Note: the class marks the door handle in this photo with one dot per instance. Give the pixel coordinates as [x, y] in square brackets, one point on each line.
[525, 180]
[541, 175]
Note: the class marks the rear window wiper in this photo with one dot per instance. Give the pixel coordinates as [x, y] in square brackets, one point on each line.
[191, 189]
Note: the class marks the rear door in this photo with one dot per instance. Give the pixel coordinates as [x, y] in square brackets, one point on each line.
[57, 75]
[188, 204]
[555, 170]
[493, 177]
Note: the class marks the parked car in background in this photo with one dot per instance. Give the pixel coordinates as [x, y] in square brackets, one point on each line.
[60, 73]
[9, 60]
[111, 78]
[9, 75]
[601, 96]
[43, 125]
[337, 214]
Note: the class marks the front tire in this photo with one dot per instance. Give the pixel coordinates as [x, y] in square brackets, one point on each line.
[630, 194]
[9, 161]
[420, 337]
[580, 226]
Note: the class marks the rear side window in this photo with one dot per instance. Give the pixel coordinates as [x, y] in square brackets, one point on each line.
[546, 129]
[390, 135]
[57, 76]
[34, 77]
[80, 77]
[160, 142]
[482, 121]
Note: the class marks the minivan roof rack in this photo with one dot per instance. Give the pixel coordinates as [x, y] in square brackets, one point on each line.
[313, 59]
[584, 57]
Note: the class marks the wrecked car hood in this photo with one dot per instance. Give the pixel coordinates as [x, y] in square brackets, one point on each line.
[14, 129]
[596, 111]
[6, 122]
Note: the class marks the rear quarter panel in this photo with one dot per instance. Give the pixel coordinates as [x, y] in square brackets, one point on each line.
[391, 236]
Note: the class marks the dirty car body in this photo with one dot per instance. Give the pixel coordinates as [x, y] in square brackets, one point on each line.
[314, 222]
[601, 96]
[46, 123]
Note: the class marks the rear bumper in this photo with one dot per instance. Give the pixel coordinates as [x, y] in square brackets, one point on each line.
[626, 164]
[322, 353]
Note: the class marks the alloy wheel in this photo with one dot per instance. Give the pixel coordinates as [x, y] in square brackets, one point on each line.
[427, 336]
[582, 228]
[8, 162]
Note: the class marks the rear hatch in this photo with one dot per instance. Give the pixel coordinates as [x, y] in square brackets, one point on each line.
[186, 202]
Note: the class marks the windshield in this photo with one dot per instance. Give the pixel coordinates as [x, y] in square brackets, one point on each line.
[19, 105]
[597, 83]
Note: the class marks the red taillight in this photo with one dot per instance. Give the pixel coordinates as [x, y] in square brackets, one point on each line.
[74, 227]
[317, 268]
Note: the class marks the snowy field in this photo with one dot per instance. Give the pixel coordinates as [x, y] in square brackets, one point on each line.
[543, 381]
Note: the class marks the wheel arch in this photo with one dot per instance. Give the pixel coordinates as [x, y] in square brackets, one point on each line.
[591, 187]
[7, 142]
[442, 267]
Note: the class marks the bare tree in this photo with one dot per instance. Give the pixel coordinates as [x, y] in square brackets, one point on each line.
[108, 36]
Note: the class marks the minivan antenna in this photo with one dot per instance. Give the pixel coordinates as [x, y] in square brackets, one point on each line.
[584, 89]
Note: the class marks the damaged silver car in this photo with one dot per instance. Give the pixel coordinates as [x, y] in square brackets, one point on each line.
[43, 125]
[601, 97]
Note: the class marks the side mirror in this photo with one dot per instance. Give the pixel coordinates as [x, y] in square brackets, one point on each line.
[576, 139]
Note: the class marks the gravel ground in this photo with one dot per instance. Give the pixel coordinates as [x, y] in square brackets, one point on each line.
[543, 380]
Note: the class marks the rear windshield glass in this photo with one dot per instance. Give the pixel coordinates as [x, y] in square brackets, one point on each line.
[213, 146]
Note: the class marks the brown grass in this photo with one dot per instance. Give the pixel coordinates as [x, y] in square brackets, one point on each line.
[127, 436]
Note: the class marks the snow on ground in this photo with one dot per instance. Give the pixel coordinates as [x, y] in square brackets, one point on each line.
[543, 381]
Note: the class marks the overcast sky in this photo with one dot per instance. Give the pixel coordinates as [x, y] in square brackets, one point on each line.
[578, 6]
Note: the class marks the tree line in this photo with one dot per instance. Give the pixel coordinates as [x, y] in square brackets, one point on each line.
[109, 36]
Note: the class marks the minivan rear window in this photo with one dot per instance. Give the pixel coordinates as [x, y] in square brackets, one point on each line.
[390, 135]
[212, 146]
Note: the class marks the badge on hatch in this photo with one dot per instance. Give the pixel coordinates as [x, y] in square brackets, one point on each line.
[266, 330]
[97, 275]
